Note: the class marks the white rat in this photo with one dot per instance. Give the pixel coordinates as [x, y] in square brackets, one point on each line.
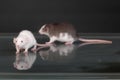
[25, 40]
[65, 32]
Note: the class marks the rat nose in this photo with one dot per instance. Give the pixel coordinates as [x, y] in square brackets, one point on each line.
[17, 46]
[21, 66]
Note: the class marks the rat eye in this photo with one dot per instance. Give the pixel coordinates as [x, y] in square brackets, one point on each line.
[21, 41]
[44, 29]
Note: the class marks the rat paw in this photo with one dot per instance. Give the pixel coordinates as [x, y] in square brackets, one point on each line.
[33, 49]
[26, 53]
[17, 52]
[68, 43]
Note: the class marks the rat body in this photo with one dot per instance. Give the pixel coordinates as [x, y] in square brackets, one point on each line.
[65, 32]
[25, 40]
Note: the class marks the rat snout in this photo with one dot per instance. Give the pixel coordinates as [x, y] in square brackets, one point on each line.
[17, 46]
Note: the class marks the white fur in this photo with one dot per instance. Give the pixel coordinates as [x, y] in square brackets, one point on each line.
[63, 37]
[52, 39]
[28, 40]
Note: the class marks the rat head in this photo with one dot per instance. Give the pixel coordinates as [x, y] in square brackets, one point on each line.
[20, 41]
[44, 30]
[21, 65]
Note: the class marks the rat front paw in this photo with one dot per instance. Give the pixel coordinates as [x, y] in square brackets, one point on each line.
[68, 43]
[33, 49]
[26, 53]
[17, 52]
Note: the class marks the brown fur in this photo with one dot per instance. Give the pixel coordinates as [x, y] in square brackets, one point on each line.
[55, 29]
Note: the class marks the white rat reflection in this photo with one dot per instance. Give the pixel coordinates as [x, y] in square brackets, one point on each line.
[24, 62]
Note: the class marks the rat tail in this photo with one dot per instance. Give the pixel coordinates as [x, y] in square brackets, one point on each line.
[42, 45]
[95, 41]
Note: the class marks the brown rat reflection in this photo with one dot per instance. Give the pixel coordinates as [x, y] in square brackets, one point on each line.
[58, 51]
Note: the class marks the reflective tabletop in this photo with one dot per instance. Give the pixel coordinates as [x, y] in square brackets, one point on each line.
[58, 59]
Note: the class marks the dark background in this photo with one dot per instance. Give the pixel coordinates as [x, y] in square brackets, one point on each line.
[87, 15]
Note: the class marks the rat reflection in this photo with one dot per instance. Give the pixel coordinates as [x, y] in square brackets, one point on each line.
[63, 50]
[58, 50]
[55, 52]
[24, 62]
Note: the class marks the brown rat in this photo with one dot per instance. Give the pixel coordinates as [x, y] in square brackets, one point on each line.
[65, 32]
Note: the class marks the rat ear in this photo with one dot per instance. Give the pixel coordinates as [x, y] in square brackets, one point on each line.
[14, 40]
[45, 29]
